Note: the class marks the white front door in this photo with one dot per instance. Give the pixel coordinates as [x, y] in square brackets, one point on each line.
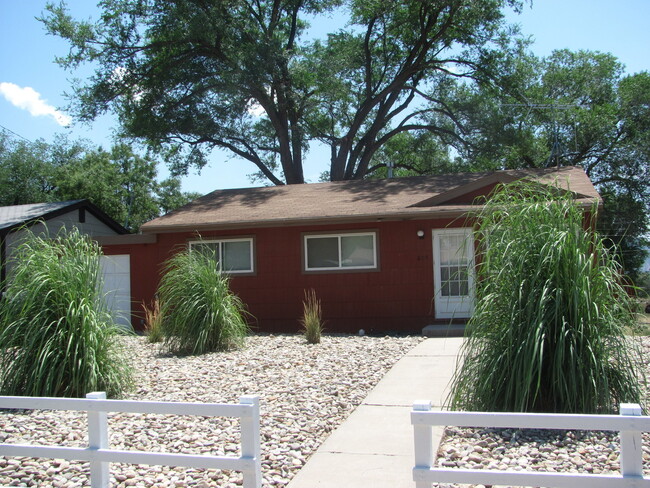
[117, 287]
[453, 266]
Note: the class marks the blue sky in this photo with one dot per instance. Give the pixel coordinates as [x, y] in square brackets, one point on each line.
[32, 85]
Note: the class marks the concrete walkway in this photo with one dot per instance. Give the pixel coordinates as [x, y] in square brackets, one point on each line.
[373, 448]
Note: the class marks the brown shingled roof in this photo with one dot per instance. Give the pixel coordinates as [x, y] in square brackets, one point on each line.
[350, 201]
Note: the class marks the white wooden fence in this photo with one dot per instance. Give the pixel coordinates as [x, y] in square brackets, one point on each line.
[629, 423]
[99, 455]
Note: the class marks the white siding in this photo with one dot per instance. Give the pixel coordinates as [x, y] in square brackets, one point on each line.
[92, 226]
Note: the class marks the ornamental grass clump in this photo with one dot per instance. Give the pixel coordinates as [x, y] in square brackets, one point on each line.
[153, 322]
[199, 312]
[57, 337]
[548, 331]
[312, 318]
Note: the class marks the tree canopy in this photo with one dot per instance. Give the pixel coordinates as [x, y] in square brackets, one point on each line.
[189, 76]
[569, 108]
[576, 108]
[120, 182]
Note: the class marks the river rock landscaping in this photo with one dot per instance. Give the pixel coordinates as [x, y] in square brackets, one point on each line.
[306, 391]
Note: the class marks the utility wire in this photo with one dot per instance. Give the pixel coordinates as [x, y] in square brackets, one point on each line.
[15, 133]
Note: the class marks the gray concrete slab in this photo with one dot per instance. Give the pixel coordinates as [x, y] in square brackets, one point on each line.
[348, 470]
[386, 434]
[411, 379]
[373, 448]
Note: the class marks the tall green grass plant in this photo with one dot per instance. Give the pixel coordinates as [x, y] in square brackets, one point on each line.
[56, 335]
[312, 317]
[548, 331]
[200, 313]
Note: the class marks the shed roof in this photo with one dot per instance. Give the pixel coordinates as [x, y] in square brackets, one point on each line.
[357, 200]
[17, 215]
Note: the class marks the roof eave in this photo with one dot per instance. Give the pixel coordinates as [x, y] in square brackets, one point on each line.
[440, 213]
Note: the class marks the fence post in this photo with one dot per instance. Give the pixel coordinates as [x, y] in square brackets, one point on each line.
[631, 450]
[250, 441]
[423, 442]
[98, 439]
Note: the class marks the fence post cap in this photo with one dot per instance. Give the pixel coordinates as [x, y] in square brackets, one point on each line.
[633, 409]
[422, 405]
[249, 399]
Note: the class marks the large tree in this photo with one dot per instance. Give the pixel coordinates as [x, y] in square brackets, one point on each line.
[189, 76]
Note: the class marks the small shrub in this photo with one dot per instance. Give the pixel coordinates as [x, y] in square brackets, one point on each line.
[153, 322]
[312, 318]
[199, 312]
[548, 331]
[56, 335]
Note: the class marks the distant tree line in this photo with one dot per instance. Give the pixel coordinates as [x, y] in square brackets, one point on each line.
[119, 181]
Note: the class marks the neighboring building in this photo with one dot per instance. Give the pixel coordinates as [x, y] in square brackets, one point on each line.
[382, 255]
[50, 218]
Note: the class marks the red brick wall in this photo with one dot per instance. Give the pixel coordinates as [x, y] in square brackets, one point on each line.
[397, 297]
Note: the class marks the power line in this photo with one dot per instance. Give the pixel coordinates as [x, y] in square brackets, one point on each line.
[14, 133]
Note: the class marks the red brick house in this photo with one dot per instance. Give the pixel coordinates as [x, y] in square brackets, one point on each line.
[382, 255]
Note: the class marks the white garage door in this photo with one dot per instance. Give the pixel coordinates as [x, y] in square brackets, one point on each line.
[117, 287]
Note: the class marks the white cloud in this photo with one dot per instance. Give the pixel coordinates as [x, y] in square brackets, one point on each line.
[29, 99]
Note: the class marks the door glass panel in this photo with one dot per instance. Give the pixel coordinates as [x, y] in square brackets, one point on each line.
[444, 289]
[464, 288]
[454, 288]
[452, 249]
[444, 274]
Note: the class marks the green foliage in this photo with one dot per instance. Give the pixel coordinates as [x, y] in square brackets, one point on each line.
[547, 334]
[200, 313]
[25, 175]
[312, 318]
[170, 196]
[120, 182]
[246, 76]
[56, 336]
[624, 224]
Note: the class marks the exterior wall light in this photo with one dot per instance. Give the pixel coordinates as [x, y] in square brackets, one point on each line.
[420, 234]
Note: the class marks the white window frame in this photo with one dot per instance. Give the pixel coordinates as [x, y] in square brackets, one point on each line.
[220, 243]
[340, 236]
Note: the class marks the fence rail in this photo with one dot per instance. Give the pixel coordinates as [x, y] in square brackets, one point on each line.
[100, 456]
[630, 423]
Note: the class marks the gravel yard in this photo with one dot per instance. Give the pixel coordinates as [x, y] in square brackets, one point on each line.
[306, 392]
